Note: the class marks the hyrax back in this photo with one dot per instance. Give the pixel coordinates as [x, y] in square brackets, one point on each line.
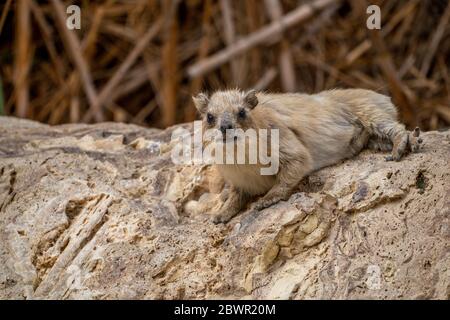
[314, 131]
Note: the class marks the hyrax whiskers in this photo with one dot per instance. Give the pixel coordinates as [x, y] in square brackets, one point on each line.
[314, 131]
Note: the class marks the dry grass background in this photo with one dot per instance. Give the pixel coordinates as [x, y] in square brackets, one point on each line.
[139, 61]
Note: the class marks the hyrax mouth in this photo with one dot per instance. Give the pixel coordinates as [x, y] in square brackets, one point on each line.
[227, 139]
[229, 136]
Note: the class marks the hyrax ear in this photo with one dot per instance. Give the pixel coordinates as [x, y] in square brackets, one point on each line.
[250, 99]
[201, 102]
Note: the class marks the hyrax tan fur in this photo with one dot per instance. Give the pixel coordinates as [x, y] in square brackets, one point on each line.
[314, 131]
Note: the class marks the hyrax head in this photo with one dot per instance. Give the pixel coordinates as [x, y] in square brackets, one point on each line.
[226, 110]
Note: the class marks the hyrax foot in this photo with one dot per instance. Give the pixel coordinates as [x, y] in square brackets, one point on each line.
[413, 144]
[218, 218]
[222, 217]
[414, 140]
[399, 148]
[263, 204]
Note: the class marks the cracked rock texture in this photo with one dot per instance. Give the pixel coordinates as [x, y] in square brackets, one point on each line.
[100, 212]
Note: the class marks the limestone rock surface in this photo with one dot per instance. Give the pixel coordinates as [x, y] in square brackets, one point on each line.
[101, 212]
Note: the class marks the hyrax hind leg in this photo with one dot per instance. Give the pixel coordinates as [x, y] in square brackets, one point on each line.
[395, 134]
[378, 144]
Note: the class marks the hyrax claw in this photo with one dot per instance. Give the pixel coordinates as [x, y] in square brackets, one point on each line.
[415, 140]
[220, 218]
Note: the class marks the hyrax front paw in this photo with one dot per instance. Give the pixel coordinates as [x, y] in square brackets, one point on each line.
[260, 205]
[221, 218]
[393, 157]
[266, 202]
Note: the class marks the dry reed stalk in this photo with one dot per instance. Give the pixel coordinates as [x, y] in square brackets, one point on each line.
[286, 65]
[229, 32]
[74, 50]
[22, 57]
[435, 40]
[169, 65]
[4, 14]
[148, 81]
[108, 89]
[263, 35]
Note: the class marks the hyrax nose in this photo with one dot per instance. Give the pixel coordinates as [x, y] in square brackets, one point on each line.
[225, 126]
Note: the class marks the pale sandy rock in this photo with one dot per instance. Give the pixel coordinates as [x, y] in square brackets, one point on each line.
[101, 212]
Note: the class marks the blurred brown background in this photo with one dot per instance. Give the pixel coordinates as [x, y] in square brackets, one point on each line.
[139, 61]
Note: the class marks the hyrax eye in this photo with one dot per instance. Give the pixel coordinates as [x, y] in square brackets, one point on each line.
[210, 118]
[242, 114]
